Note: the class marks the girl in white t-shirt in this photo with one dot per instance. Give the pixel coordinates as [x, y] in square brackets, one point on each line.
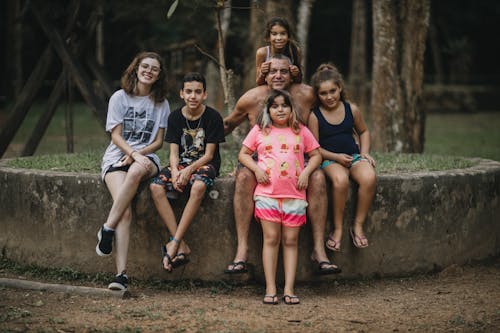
[280, 142]
[137, 118]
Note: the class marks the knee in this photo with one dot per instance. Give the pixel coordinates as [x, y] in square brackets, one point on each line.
[198, 189]
[271, 239]
[290, 241]
[157, 191]
[317, 183]
[245, 182]
[135, 175]
[340, 182]
[368, 181]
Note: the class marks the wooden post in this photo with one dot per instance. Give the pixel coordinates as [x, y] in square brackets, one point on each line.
[44, 120]
[68, 115]
[74, 68]
[23, 103]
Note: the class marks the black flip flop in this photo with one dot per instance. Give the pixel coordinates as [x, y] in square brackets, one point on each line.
[164, 254]
[323, 268]
[233, 269]
[179, 260]
[287, 299]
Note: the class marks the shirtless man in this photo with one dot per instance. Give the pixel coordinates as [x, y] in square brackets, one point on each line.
[248, 108]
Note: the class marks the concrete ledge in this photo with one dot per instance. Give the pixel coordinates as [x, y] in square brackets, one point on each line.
[419, 222]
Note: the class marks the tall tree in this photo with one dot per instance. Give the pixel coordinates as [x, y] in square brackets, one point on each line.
[303, 20]
[357, 59]
[280, 8]
[399, 34]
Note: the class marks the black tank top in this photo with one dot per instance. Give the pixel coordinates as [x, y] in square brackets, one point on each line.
[337, 138]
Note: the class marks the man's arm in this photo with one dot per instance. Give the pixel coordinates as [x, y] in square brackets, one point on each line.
[247, 108]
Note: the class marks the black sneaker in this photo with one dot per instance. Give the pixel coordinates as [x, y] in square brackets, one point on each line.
[105, 244]
[119, 283]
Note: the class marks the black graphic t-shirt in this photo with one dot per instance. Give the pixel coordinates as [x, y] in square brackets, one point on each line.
[193, 136]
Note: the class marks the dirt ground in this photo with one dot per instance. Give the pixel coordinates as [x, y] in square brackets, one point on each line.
[459, 299]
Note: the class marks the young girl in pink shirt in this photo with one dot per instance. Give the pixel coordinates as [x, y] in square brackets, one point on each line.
[280, 142]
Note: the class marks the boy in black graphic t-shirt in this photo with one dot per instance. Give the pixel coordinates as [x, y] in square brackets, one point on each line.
[194, 132]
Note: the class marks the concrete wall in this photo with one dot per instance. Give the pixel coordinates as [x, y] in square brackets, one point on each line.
[418, 223]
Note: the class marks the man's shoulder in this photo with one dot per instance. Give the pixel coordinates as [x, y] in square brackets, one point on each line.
[254, 95]
[301, 89]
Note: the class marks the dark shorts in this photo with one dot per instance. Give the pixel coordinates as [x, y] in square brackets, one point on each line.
[206, 174]
[126, 167]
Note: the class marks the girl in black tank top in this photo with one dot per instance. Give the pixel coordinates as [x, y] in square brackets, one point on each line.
[332, 122]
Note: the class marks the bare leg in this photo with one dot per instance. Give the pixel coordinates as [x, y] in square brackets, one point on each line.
[339, 176]
[317, 212]
[127, 191]
[289, 241]
[192, 206]
[166, 213]
[272, 234]
[114, 183]
[243, 211]
[363, 174]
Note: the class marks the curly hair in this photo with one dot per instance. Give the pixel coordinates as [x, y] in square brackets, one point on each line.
[129, 77]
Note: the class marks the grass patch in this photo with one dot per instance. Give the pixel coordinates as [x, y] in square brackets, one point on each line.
[386, 163]
[449, 139]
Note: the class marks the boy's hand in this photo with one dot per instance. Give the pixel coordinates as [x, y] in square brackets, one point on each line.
[183, 177]
[261, 176]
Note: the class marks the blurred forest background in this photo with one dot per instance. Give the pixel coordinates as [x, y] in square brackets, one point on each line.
[460, 71]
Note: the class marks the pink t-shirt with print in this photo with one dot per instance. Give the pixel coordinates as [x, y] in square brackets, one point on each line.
[281, 155]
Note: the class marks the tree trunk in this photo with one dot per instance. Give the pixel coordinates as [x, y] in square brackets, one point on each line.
[303, 20]
[435, 49]
[99, 32]
[280, 8]
[399, 29]
[256, 40]
[357, 61]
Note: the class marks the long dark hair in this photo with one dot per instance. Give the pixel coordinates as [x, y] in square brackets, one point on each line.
[291, 49]
[129, 77]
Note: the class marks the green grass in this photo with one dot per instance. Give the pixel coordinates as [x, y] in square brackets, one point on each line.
[472, 135]
[449, 138]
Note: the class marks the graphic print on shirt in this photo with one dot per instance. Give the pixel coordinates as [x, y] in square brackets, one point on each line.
[137, 125]
[284, 170]
[296, 146]
[283, 144]
[269, 166]
[193, 144]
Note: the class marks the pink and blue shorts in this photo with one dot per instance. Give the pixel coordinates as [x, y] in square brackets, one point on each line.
[286, 211]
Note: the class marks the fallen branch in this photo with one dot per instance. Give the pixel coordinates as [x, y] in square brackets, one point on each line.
[33, 285]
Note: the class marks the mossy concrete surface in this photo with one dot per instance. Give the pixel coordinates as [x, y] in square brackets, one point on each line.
[418, 222]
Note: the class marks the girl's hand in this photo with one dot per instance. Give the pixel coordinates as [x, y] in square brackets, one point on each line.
[294, 71]
[344, 160]
[302, 181]
[142, 161]
[261, 176]
[369, 158]
[264, 68]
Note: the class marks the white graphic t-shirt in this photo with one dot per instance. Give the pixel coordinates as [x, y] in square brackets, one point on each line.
[140, 118]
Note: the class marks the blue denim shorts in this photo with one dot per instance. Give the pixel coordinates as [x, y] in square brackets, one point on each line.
[355, 159]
